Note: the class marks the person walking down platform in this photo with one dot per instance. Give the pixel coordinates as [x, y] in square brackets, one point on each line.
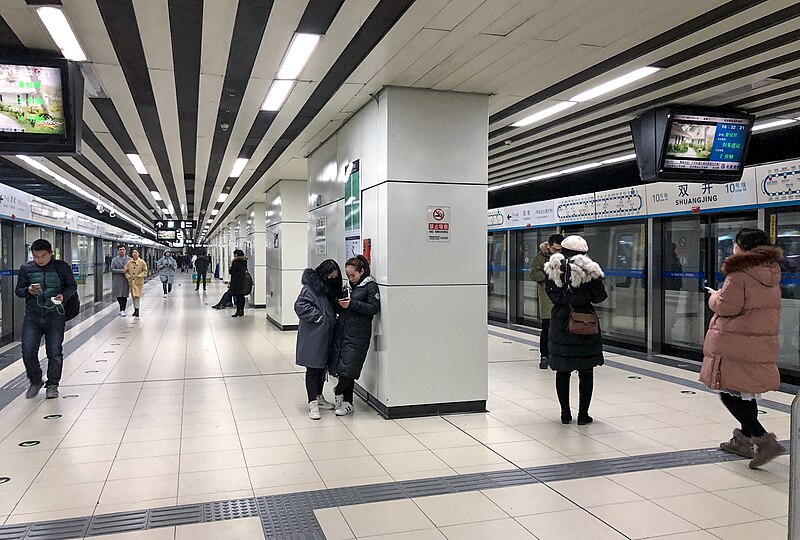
[575, 284]
[45, 283]
[241, 281]
[740, 353]
[314, 308]
[166, 267]
[546, 250]
[120, 288]
[136, 271]
[353, 331]
[201, 265]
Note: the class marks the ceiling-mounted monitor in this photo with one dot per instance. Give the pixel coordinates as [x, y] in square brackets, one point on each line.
[691, 145]
[41, 105]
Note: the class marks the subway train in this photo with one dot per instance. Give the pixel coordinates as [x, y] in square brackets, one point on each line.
[656, 267]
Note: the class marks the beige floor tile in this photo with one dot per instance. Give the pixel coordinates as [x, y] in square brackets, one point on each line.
[195, 483]
[696, 535]
[642, 519]
[507, 529]
[471, 456]
[576, 446]
[528, 500]
[406, 462]
[422, 534]
[48, 515]
[259, 425]
[283, 475]
[51, 499]
[269, 438]
[240, 529]
[139, 489]
[323, 434]
[497, 435]
[654, 484]
[164, 533]
[290, 488]
[59, 475]
[394, 444]
[9, 499]
[763, 500]
[335, 449]
[212, 461]
[141, 467]
[149, 449]
[333, 524]
[332, 470]
[707, 510]
[385, 518]
[376, 428]
[568, 524]
[588, 492]
[763, 530]
[275, 455]
[456, 509]
[217, 496]
[435, 424]
[131, 506]
[446, 439]
[711, 477]
[627, 440]
[517, 452]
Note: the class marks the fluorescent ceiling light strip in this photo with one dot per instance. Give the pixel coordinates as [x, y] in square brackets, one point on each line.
[300, 50]
[222, 197]
[137, 163]
[214, 212]
[541, 115]
[773, 123]
[156, 195]
[60, 30]
[612, 85]
[277, 95]
[581, 168]
[627, 157]
[238, 167]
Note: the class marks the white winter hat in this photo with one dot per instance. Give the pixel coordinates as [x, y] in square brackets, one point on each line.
[575, 243]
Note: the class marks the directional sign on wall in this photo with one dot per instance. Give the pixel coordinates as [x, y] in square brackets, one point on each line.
[173, 224]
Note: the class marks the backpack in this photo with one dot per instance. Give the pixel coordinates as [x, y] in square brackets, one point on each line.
[248, 284]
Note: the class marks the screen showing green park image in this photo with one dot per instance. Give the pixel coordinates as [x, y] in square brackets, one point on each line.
[31, 100]
[352, 199]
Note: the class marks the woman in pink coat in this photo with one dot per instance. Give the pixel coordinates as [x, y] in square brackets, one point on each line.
[740, 354]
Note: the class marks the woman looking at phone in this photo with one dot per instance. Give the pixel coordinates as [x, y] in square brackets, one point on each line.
[359, 303]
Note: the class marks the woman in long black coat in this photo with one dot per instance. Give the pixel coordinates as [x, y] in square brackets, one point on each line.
[574, 282]
[239, 282]
[353, 330]
[314, 308]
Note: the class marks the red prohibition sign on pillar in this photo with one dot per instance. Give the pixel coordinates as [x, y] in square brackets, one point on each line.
[438, 214]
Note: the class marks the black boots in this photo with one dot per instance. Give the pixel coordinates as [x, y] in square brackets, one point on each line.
[136, 312]
[585, 388]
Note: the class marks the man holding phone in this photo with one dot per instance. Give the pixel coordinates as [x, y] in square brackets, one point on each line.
[45, 283]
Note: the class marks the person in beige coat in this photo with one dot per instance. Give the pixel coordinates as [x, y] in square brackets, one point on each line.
[740, 354]
[136, 271]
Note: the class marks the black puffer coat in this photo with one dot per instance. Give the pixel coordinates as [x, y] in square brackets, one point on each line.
[237, 271]
[314, 308]
[354, 329]
[584, 288]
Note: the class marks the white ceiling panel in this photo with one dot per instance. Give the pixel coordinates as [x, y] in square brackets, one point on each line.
[452, 14]
[152, 16]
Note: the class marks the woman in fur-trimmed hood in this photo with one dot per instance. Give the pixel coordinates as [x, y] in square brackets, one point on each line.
[573, 279]
[740, 353]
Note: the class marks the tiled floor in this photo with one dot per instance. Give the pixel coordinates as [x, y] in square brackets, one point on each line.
[189, 405]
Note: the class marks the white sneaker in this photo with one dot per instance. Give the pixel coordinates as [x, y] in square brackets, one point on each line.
[324, 403]
[122, 314]
[313, 410]
[165, 295]
[344, 408]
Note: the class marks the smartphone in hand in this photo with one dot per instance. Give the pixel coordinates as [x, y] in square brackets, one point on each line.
[709, 289]
[36, 288]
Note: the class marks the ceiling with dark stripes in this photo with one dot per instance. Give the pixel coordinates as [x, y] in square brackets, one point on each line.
[181, 83]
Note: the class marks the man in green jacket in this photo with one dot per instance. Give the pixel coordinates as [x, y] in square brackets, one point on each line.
[546, 249]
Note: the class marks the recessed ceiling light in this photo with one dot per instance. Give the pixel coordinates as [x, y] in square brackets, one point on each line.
[550, 111]
[156, 195]
[60, 30]
[137, 163]
[214, 212]
[619, 82]
[773, 123]
[166, 210]
[277, 95]
[210, 221]
[222, 197]
[300, 50]
[238, 167]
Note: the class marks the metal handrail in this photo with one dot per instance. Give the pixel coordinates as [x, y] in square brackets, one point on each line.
[794, 473]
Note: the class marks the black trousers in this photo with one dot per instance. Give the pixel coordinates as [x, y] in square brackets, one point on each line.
[51, 328]
[201, 278]
[240, 300]
[123, 302]
[345, 388]
[544, 339]
[167, 287]
[585, 388]
[315, 382]
[746, 412]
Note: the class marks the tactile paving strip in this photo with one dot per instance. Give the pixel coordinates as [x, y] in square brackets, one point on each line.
[291, 516]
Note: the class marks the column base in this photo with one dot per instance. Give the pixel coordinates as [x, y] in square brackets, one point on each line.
[282, 327]
[425, 409]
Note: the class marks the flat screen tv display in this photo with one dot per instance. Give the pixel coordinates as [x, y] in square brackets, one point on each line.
[40, 106]
[691, 145]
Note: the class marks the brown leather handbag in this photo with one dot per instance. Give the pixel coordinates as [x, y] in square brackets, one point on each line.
[581, 324]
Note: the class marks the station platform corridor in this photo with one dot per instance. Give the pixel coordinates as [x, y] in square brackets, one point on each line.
[188, 423]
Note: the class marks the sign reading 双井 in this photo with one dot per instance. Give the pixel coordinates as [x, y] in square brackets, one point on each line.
[438, 224]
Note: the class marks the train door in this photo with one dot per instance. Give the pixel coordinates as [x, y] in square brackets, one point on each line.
[527, 290]
[693, 252]
[785, 231]
[497, 257]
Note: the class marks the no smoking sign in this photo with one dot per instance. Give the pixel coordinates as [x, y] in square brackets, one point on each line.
[438, 224]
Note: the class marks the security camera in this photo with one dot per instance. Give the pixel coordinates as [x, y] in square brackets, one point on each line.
[112, 214]
[224, 126]
[99, 208]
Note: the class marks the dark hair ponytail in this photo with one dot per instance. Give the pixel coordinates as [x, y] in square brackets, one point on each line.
[359, 262]
[749, 239]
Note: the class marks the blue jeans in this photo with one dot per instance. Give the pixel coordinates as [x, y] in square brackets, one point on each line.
[50, 326]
